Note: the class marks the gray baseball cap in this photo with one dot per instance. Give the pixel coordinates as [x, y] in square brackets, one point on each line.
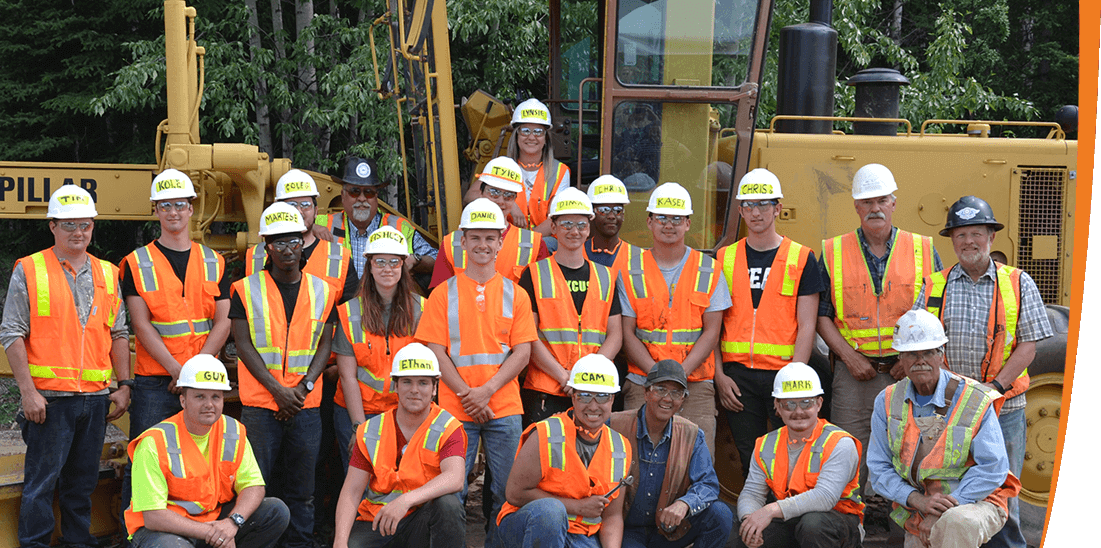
[667, 370]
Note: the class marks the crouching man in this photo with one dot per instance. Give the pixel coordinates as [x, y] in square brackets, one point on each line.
[195, 477]
[406, 468]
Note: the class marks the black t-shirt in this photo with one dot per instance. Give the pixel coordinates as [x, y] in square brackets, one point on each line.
[178, 260]
[577, 279]
[351, 281]
[760, 265]
[289, 294]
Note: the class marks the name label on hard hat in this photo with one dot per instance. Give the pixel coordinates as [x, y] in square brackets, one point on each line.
[672, 203]
[505, 173]
[566, 205]
[607, 189]
[277, 216]
[796, 386]
[755, 188]
[487, 216]
[295, 186]
[387, 235]
[534, 113]
[169, 184]
[210, 376]
[415, 365]
[73, 199]
[967, 213]
[599, 379]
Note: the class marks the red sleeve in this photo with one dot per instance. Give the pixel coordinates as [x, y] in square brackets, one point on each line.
[359, 460]
[455, 445]
[442, 271]
[523, 323]
[544, 252]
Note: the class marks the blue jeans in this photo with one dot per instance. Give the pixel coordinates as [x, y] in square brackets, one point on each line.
[710, 529]
[342, 423]
[150, 403]
[1013, 430]
[261, 529]
[286, 452]
[62, 452]
[439, 523]
[501, 437]
[541, 523]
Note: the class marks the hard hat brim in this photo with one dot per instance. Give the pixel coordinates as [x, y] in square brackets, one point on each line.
[946, 231]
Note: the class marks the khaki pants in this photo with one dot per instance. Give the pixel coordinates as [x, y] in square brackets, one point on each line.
[966, 526]
[851, 410]
[699, 407]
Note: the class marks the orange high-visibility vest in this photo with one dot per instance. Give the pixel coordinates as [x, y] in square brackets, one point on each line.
[519, 249]
[420, 462]
[286, 350]
[198, 485]
[765, 341]
[670, 326]
[567, 334]
[565, 475]
[537, 207]
[1001, 325]
[866, 319]
[182, 312]
[771, 454]
[61, 354]
[941, 465]
[338, 224]
[328, 261]
[374, 356]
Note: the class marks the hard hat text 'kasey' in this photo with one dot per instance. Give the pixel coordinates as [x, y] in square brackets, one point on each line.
[670, 199]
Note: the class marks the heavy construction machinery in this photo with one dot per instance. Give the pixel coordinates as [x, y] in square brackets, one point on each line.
[650, 91]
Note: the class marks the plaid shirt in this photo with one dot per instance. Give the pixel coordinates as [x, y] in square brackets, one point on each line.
[357, 242]
[965, 316]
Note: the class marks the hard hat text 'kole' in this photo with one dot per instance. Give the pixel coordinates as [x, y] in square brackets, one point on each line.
[170, 184]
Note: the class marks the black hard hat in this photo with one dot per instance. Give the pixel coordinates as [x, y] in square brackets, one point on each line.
[968, 211]
[360, 172]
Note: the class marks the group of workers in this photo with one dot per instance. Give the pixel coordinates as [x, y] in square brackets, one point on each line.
[927, 392]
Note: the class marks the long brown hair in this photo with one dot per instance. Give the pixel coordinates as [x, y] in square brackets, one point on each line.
[401, 309]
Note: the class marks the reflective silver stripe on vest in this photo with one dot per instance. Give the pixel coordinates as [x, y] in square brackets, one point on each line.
[191, 507]
[202, 327]
[768, 452]
[526, 242]
[173, 329]
[603, 275]
[299, 363]
[334, 260]
[546, 279]
[707, 269]
[172, 446]
[457, 249]
[372, 434]
[259, 255]
[364, 376]
[659, 336]
[619, 455]
[455, 335]
[436, 430]
[210, 262]
[634, 270]
[556, 442]
[272, 356]
[379, 498]
[145, 269]
[354, 329]
[815, 464]
[229, 439]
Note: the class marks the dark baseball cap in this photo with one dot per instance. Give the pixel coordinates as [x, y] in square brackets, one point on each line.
[667, 370]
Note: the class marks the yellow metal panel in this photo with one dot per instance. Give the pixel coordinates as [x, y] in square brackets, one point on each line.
[25, 188]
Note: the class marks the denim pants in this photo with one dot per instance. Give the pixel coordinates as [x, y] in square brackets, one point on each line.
[830, 529]
[261, 529]
[62, 452]
[753, 420]
[440, 523]
[1013, 430]
[710, 529]
[541, 523]
[150, 403]
[286, 452]
[500, 437]
[342, 424]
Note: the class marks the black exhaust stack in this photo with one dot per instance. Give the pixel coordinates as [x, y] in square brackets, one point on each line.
[808, 64]
[877, 96]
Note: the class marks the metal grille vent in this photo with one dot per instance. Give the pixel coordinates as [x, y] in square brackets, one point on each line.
[1040, 232]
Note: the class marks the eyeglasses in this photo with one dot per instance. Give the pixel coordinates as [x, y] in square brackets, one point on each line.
[72, 226]
[283, 245]
[604, 210]
[526, 131]
[301, 204]
[480, 300]
[355, 191]
[675, 220]
[178, 205]
[384, 263]
[588, 397]
[498, 193]
[570, 225]
[676, 394]
[758, 204]
[801, 404]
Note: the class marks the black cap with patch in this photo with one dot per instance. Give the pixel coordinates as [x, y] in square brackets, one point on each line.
[360, 172]
[667, 370]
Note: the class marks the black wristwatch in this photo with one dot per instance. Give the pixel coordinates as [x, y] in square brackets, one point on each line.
[127, 382]
[238, 519]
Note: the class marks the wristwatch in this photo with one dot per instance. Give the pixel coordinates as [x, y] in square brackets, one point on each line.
[309, 386]
[127, 382]
[238, 519]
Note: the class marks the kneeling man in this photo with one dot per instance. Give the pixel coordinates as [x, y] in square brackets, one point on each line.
[195, 477]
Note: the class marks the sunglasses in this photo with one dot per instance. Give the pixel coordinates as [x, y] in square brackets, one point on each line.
[675, 220]
[178, 205]
[526, 131]
[570, 225]
[283, 245]
[355, 191]
[72, 226]
[758, 204]
[588, 397]
[301, 204]
[386, 263]
[498, 193]
[801, 404]
[604, 210]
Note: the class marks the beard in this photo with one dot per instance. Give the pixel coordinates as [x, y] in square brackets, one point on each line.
[361, 214]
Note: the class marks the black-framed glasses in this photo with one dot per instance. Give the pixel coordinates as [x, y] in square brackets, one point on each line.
[283, 245]
[536, 131]
[675, 220]
[73, 226]
[676, 394]
[498, 193]
[379, 262]
[570, 225]
[178, 205]
[366, 191]
[801, 404]
[588, 397]
[300, 204]
[604, 210]
[758, 204]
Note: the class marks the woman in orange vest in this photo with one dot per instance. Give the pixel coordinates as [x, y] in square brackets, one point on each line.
[373, 327]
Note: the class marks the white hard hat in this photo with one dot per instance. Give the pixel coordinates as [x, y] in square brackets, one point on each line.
[387, 240]
[204, 372]
[281, 218]
[759, 184]
[670, 199]
[606, 189]
[482, 213]
[594, 373]
[504, 173]
[873, 181]
[571, 202]
[171, 184]
[532, 111]
[918, 330]
[71, 202]
[295, 184]
[415, 360]
[796, 380]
